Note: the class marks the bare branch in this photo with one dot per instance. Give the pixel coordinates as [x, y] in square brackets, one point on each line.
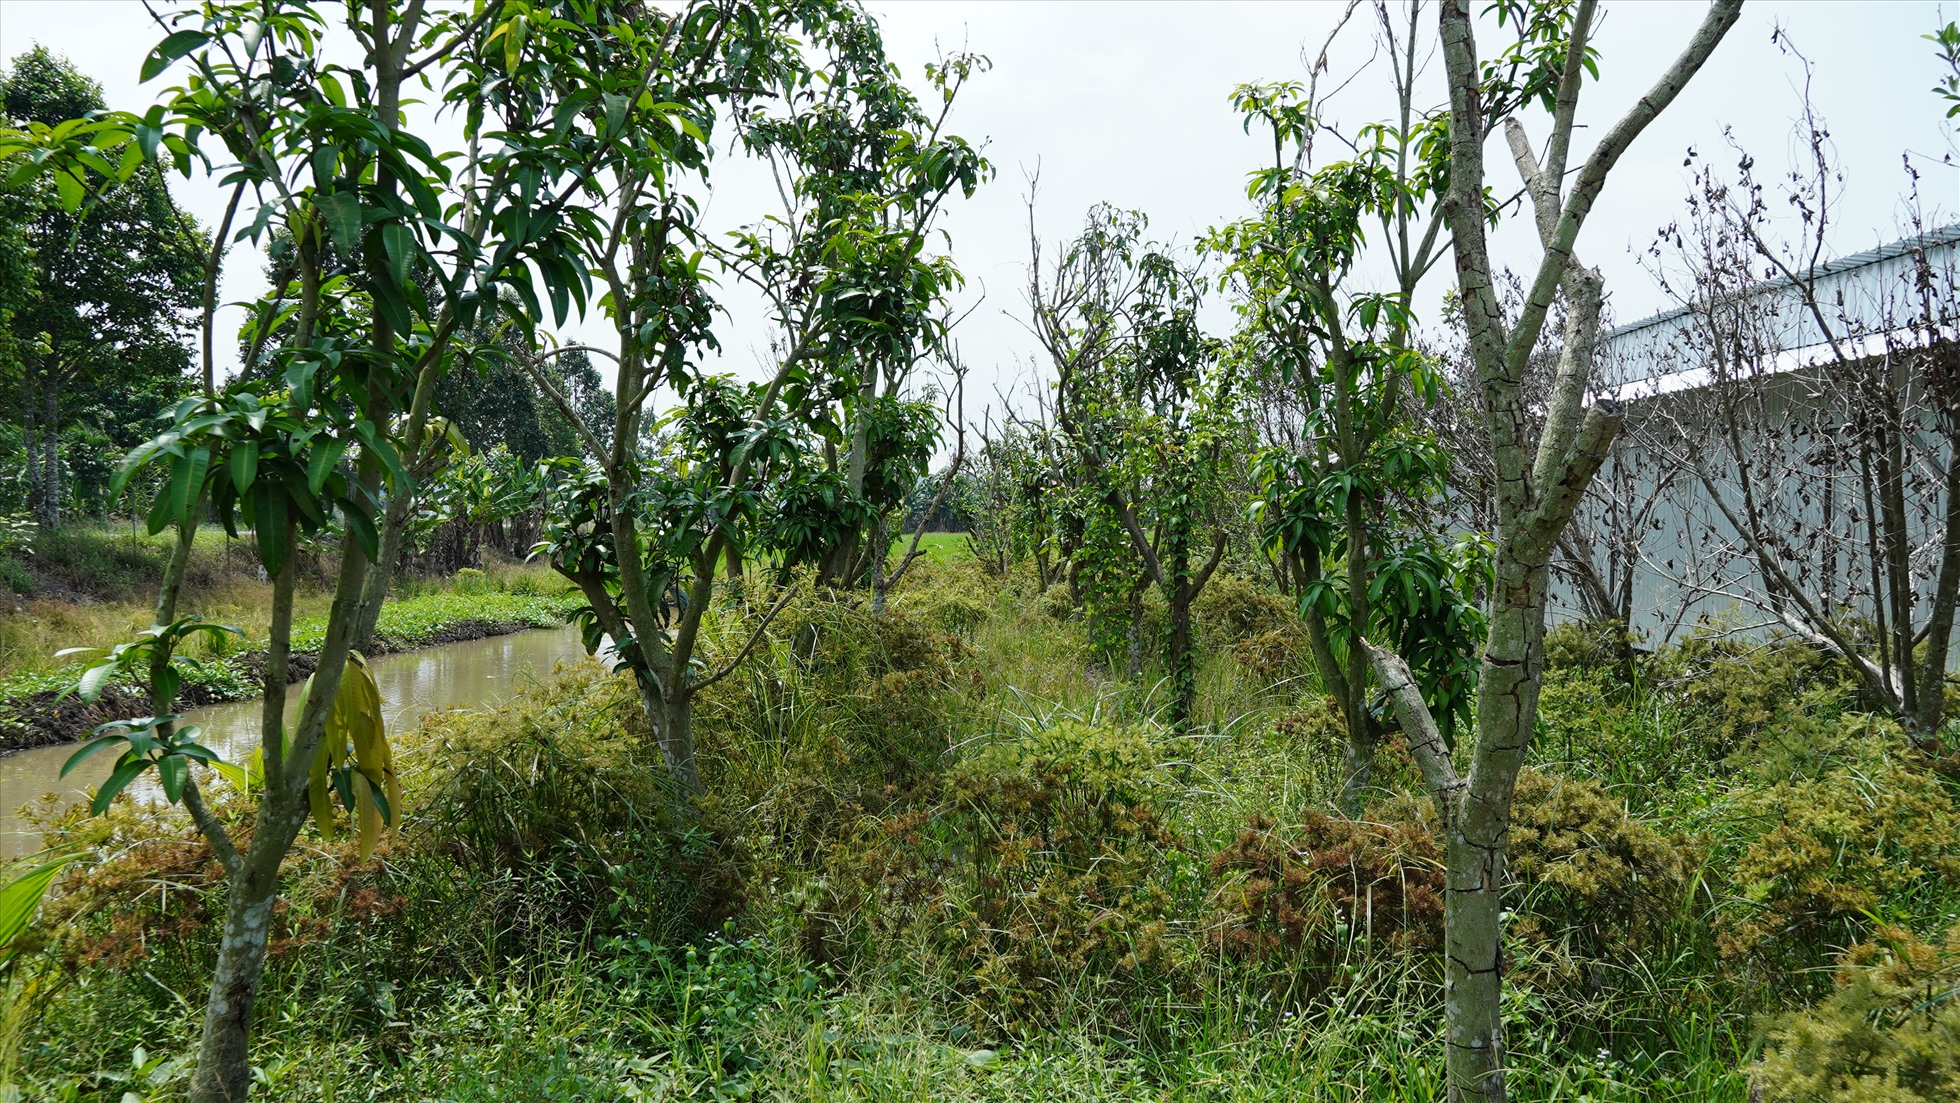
[1419, 728]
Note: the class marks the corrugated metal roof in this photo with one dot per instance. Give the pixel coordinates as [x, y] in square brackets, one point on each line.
[1945, 235]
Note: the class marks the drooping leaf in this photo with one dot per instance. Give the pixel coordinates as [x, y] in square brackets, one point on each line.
[126, 771]
[244, 465]
[88, 751]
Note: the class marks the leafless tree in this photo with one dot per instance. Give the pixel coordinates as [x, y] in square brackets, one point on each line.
[1815, 408]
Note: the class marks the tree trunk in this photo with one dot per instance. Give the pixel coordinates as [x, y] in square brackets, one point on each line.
[51, 494]
[29, 440]
[224, 1068]
[1184, 660]
[677, 742]
[1473, 978]
[1479, 829]
[38, 439]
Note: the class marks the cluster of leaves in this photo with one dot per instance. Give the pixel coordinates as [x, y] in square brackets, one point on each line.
[1873, 836]
[1885, 1034]
[473, 493]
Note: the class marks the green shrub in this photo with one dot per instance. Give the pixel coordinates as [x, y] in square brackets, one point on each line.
[1889, 1032]
[1032, 879]
[1234, 608]
[1588, 720]
[17, 533]
[1598, 884]
[1593, 884]
[1275, 656]
[1591, 645]
[1734, 691]
[1870, 837]
[15, 576]
[1057, 602]
[552, 793]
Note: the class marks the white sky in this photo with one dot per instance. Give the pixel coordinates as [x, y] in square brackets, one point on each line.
[1128, 103]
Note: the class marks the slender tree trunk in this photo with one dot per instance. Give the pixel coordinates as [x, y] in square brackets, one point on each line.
[1359, 767]
[51, 448]
[43, 442]
[1184, 659]
[224, 1068]
[223, 1072]
[30, 439]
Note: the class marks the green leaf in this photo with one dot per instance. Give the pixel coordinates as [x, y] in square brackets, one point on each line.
[186, 493]
[88, 751]
[169, 50]
[95, 680]
[244, 465]
[399, 247]
[270, 520]
[21, 897]
[362, 526]
[173, 771]
[322, 462]
[236, 775]
[127, 772]
[342, 210]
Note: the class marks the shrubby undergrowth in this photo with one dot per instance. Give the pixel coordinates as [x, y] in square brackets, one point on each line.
[946, 855]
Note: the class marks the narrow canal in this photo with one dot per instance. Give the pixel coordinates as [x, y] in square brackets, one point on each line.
[468, 675]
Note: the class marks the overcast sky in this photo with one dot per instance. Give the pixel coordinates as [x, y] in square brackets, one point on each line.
[1127, 103]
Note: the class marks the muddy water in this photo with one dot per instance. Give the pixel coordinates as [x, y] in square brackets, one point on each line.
[474, 674]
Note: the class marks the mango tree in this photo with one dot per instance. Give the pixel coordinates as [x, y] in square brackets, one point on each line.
[865, 169]
[1151, 421]
[394, 248]
[1539, 481]
[1350, 480]
[647, 538]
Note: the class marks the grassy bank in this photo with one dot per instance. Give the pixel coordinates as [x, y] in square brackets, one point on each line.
[947, 855]
[97, 588]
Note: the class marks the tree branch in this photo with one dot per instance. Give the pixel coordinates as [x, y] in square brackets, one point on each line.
[214, 832]
[1419, 729]
[755, 637]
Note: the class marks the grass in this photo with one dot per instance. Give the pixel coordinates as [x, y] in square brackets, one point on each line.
[944, 548]
[533, 934]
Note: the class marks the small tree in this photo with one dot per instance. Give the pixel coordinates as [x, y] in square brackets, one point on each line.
[118, 278]
[1149, 420]
[1828, 466]
[848, 291]
[336, 437]
[1351, 475]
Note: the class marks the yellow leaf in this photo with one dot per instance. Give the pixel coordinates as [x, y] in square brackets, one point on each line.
[356, 735]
